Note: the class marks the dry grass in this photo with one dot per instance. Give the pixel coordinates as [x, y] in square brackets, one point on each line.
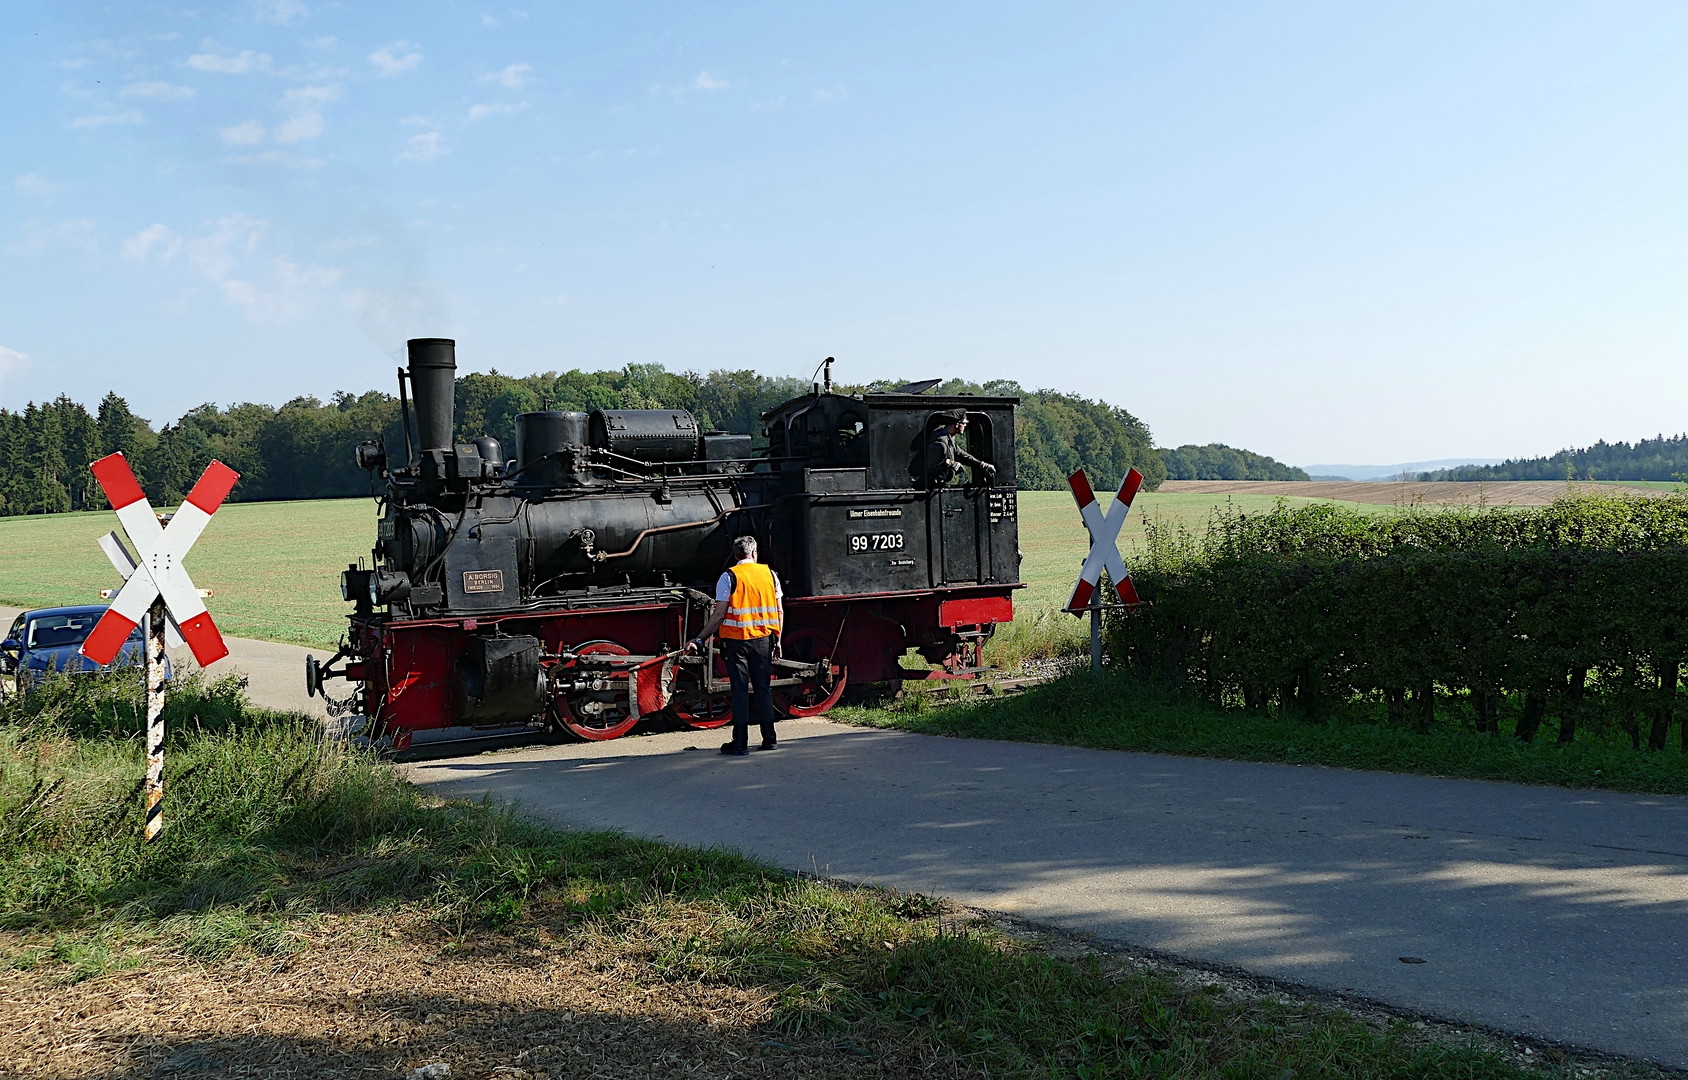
[367, 994]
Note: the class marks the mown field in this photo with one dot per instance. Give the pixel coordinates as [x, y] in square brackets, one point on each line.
[276, 566]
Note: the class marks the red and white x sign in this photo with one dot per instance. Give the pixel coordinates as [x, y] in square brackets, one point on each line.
[160, 571]
[1104, 539]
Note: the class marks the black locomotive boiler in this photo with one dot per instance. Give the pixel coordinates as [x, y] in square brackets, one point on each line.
[557, 585]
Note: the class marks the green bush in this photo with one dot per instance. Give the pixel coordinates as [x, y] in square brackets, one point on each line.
[1577, 610]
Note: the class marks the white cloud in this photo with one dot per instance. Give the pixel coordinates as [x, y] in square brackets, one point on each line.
[513, 77]
[280, 12]
[501, 108]
[11, 362]
[707, 81]
[218, 64]
[276, 157]
[827, 97]
[307, 125]
[157, 91]
[250, 133]
[488, 20]
[326, 41]
[425, 147]
[75, 233]
[35, 184]
[397, 58]
[128, 116]
[268, 291]
[139, 246]
[311, 95]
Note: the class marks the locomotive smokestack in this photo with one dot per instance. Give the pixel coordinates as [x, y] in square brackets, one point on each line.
[433, 378]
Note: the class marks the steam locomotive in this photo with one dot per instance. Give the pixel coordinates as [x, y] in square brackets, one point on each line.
[558, 586]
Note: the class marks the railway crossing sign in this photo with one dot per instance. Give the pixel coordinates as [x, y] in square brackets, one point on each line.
[1104, 555]
[156, 586]
[159, 573]
[1104, 541]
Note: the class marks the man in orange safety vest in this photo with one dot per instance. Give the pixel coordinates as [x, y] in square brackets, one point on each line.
[749, 612]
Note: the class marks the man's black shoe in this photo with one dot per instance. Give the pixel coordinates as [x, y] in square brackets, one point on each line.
[769, 745]
[734, 751]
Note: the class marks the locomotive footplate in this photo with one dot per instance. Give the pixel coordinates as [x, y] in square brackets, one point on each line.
[620, 666]
[797, 672]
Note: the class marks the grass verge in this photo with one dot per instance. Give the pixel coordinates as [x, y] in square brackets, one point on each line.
[337, 919]
[1121, 712]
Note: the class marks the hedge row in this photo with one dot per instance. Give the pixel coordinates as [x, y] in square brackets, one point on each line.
[1577, 610]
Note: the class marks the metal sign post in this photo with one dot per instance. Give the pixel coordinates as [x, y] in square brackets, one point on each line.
[1095, 631]
[155, 719]
[158, 589]
[1104, 555]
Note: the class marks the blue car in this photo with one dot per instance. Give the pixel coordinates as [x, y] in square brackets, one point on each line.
[47, 639]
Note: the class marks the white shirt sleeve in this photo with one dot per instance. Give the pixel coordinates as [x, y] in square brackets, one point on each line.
[778, 592]
[724, 588]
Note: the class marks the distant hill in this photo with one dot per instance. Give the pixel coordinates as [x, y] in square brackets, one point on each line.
[1216, 461]
[1657, 458]
[1411, 469]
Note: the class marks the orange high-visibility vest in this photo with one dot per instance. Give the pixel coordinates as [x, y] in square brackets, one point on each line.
[754, 610]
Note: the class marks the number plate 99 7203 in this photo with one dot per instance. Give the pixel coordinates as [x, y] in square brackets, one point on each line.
[867, 543]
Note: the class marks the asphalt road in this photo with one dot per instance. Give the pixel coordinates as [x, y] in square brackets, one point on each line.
[1553, 913]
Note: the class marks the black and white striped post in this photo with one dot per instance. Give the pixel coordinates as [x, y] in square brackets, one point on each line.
[156, 622]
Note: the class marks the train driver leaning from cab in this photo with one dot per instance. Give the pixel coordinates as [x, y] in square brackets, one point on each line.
[749, 612]
[944, 455]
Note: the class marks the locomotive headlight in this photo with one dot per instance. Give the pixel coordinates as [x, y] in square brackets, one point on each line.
[355, 584]
[385, 587]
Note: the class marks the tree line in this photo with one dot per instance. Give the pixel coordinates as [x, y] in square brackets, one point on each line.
[1216, 461]
[303, 449]
[1657, 458]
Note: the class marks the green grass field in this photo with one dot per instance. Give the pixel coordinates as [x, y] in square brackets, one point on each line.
[276, 567]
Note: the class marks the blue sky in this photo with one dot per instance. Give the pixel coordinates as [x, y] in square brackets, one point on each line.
[1327, 232]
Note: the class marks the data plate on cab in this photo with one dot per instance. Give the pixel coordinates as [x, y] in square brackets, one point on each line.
[869, 543]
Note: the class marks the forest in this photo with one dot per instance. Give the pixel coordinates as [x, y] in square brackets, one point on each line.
[1216, 461]
[1657, 458]
[303, 448]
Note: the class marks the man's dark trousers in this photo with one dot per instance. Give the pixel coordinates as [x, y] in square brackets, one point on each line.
[750, 667]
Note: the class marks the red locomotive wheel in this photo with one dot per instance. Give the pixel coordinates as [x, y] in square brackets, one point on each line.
[596, 715]
[696, 708]
[817, 696]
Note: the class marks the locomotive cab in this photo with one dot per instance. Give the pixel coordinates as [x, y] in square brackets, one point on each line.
[856, 510]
